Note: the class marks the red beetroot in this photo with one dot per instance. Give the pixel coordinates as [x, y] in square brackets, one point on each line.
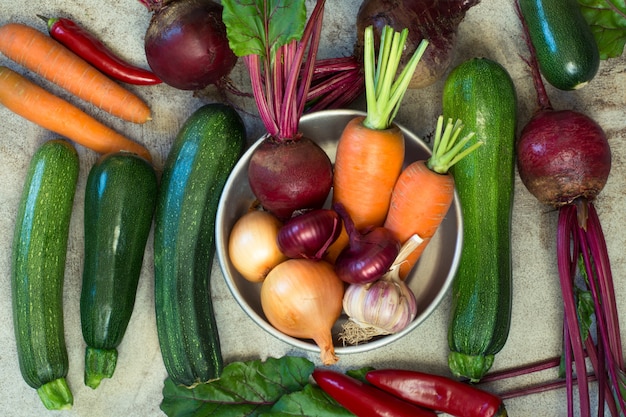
[287, 172]
[186, 43]
[435, 20]
[289, 175]
[563, 155]
[564, 160]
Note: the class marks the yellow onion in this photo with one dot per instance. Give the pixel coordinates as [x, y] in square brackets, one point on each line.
[252, 245]
[302, 298]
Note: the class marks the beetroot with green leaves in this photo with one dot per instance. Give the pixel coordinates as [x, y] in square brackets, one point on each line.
[288, 171]
[564, 160]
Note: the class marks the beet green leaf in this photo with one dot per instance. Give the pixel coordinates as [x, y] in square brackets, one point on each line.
[607, 19]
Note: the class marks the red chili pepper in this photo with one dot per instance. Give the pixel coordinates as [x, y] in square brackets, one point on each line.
[365, 400]
[438, 393]
[91, 49]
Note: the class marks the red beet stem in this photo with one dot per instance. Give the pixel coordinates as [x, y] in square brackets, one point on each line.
[573, 242]
[336, 91]
[600, 282]
[542, 96]
[265, 107]
[599, 255]
[152, 5]
[333, 65]
[573, 339]
[280, 84]
[521, 370]
[605, 393]
[309, 66]
[539, 388]
[604, 355]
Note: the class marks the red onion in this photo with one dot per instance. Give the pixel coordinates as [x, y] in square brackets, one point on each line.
[369, 254]
[310, 234]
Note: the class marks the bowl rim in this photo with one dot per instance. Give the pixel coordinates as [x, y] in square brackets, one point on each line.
[302, 343]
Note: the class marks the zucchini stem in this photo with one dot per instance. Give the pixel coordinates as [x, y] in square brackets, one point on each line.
[99, 364]
[56, 395]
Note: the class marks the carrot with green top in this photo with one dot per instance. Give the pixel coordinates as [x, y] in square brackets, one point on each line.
[47, 57]
[370, 153]
[425, 189]
[32, 102]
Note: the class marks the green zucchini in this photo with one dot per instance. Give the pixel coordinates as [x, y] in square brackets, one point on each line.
[481, 93]
[202, 157]
[566, 49]
[120, 198]
[38, 270]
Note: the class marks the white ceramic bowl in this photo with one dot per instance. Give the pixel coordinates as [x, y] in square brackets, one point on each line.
[429, 280]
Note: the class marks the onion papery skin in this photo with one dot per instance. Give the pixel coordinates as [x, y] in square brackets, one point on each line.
[290, 175]
[309, 235]
[186, 44]
[252, 245]
[303, 298]
[563, 155]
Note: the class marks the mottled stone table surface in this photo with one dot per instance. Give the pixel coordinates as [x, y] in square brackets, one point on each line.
[490, 29]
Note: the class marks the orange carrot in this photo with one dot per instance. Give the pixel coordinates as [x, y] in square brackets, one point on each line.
[367, 164]
[32, 102]
[53, 61]
[424, 191]
[370, 152]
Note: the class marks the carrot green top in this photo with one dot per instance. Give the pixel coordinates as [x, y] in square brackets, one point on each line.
[383, 91]
[448, 149]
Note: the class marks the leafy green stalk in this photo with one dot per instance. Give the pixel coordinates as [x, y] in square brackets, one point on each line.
[383, 90]
[447, 148]
[272, 388]
[607, 20]
[244, 389]
[279, 48]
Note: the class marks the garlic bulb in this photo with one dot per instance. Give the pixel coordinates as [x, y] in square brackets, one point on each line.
[385, 306]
